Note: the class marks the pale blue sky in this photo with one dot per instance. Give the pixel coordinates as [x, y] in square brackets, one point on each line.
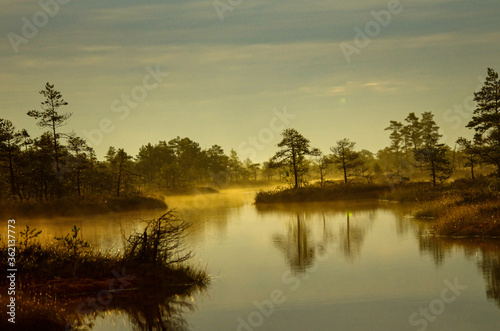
[226, 76]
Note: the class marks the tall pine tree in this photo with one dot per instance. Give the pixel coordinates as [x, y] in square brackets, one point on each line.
[486, 119]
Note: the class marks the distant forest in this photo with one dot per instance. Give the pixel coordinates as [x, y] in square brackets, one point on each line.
[61, 165]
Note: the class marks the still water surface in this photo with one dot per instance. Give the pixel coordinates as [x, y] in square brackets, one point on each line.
[315, 266]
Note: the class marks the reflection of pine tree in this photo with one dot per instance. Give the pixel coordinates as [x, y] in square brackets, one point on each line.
[351, 238]
[327, 238]
[297, 246]
[490, 266]
[433, 246]
[160, 313]
[487, 252]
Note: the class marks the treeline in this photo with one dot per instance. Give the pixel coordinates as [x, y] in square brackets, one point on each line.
[415, 148]
[181, 163]
[60, 165]
[415, 143]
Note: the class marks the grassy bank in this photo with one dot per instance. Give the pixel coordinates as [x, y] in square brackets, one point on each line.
[481, 219]
[75, 207]
[326, 193]
[463, 208]
[54, 280]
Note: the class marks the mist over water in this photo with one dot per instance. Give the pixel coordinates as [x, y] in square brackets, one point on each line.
[311, 266]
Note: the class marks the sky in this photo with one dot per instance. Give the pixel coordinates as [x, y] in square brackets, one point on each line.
[237, 72]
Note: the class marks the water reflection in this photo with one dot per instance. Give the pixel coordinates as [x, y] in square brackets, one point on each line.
[327, 237]
[158, 312]
[363, 259]
[105, 231]
[210, 211]
[434, 247]
[152, 309]
[153, 305]
[485, 253]
[296, 245]
[313, 229]
[490, 267]
[351, 238]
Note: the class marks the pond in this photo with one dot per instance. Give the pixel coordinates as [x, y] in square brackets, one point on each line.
[313, 266]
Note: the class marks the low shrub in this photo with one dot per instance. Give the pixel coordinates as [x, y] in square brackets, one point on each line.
[157, 252]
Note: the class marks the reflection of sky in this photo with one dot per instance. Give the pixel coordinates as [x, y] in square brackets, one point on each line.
[391, 276]
[378, 290]
[263, 55]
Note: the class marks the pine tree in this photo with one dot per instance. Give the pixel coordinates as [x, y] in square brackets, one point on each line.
[472, 153]
[10, 141]
[50, 118]
[433, 158]
[345, 158]
[486, 119]
[294, 148]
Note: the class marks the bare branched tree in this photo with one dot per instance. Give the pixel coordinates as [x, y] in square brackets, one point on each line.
[161, 243]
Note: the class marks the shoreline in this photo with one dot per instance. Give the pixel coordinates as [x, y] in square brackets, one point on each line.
[462, 208]
[79, 207]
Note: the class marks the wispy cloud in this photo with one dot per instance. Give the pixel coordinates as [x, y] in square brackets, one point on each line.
[359, 87]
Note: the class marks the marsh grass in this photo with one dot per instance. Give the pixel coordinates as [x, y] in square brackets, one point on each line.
[53, 279]
[463, 208]
[480, 219]
[330, 192]
[413, 192]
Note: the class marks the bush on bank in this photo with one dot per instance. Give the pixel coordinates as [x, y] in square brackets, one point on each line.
[69, 270]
